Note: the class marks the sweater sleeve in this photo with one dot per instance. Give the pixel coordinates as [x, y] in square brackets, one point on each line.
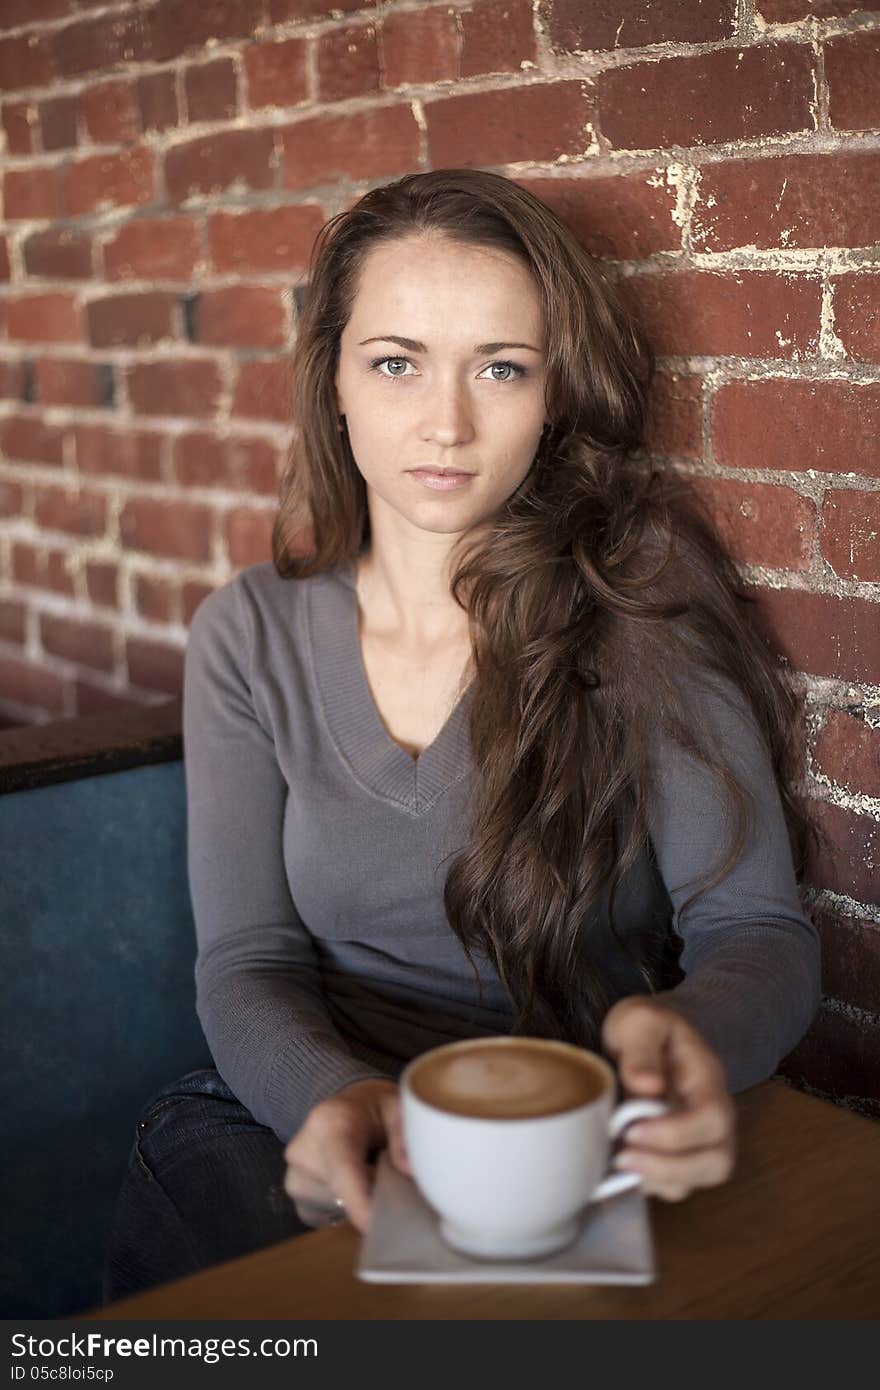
[751, 957]
[258, 992]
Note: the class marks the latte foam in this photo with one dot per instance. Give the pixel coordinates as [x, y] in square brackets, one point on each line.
[507, 1079]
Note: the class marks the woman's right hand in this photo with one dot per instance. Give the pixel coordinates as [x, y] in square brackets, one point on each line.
[328, 1156]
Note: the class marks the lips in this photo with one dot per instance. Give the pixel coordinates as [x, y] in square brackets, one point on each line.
[444, 472]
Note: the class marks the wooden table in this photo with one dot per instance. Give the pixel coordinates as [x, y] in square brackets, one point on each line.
[795, 1233]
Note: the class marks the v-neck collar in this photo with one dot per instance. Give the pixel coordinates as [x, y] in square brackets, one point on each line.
[360, 737]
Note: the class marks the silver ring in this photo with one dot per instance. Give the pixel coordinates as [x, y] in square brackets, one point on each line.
[338, 1213]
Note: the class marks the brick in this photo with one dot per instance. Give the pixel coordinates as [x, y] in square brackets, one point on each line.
[826, 426]
[157, 101]
[281, 10]
[155, 599]
[240, 316]
[78, 512]
[178, 529]
[18, 13]
[793, 201]
[263, 390]
[19, 119]
[739, 312]
[707, 98]
[214, 162]
[369, 144]
[28, 684]
[848, 751]
[61, 253]
[593, 25]
[626, 217]
[850, 957]
[761, 523]
[13, 624]
[107, 181]
[154, 666]
[112, 113]
[189, 387]
[91, 699]
[275, 73]
[11, 498]
[206, 460]
[857, 315]
[27, 438]
[70, 381]
[97, 45]
[497, 36]
[26, 60]
[852, 71]
[153, 248]
[535, 122]
[211, 90]
[820, 634]
[46, 318]
[849, 860]
[248, 535]
[264, 238]
[785, 11]
[15, 381]
[839, 1058]
[128, 453]
[59, 123]
[851, 534]
[347, 63]
[29, 194]
[88, 644]
[675, 415]
[421, 46]
[191, 596]
[43, 568]
[133, 320]
[101, 580]
[175, 26]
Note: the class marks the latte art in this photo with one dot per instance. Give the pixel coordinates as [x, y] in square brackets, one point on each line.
[507, 1079]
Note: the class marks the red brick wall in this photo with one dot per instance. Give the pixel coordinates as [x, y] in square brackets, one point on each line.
[167, 167]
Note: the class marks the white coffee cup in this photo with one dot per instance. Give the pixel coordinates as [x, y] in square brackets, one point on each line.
[514, 1187]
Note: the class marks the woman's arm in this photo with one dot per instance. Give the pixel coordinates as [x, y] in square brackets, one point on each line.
[258, 992]
[751, 956]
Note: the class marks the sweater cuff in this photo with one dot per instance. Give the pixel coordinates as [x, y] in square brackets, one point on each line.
[302, 1076]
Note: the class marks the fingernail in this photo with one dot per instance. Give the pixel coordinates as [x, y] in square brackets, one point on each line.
[624, 1159]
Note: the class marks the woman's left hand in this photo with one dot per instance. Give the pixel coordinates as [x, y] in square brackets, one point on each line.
[659, 1054]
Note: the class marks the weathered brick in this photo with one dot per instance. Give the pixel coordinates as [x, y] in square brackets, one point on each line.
[534, 122]
[29, 194]
[211, 90]
[155, 598]
[128, 453]
[840, 1058]
[19, 119]
[248, 535]
[275, 73]
[61, 253]
[11, 498]
[182, 386]
[761, 523]
[29, 684]
[785, 11]
[739, 312]
[675, 415]
[797, 200]
[264, 238]
[159, 527]
[820, 633]
[153, 665]
[109, 181]
[28, 438]
[101, 581]
[153, 248]
[92, 699]
[133, 320]
[157, 101]
[421, 46]
[374, 143]
[214, 162]
[240, 316]
[17, 13]
[848, 751]
[707, 98]
[201, 459]
[592, 25]
[857, 315]
[850, 957]
[281, 10]
[42, 568]
[112, 113]
[74, 639]
[852, 71]
[59, 122]
[69, 381]
[263, 390]
[46, 318]
[192, 595]
[851, 534]
[26, 60]
[76, 511]
[97, 45]
[175, 26]
[13, 621]
[497, 36]
[347, 63]
[15, 381]
[626, 217]
[800, 425]
[849, 861]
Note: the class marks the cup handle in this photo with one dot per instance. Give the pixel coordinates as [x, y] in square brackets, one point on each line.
[622, 1116]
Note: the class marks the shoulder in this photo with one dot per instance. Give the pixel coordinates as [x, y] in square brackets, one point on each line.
[258, 593]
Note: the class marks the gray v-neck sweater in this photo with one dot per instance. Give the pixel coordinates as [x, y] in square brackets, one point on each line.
[318, 849]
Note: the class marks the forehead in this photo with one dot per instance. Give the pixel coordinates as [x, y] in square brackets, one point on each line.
[427, 287]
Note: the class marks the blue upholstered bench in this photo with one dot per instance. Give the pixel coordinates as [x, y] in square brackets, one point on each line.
[97, 1001]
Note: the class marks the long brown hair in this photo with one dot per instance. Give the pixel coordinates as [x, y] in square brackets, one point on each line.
[596, 585]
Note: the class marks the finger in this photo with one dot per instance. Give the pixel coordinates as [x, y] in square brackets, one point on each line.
[697, 1072]
[708, 1125]
[393, 1120]
[637, 1039]
[665, 1174]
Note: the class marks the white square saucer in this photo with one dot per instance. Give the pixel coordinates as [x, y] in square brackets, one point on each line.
[403, 1244]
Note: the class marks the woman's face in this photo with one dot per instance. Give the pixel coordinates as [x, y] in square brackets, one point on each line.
[451, 397]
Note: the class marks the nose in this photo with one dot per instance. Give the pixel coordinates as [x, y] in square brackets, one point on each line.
[448, 418]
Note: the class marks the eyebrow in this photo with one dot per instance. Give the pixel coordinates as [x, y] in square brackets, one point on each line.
[412, 345]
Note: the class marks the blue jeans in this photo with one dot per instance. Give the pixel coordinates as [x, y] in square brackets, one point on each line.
[205, 1183]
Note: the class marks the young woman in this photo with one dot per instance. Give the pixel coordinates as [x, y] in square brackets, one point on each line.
[489, 746]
